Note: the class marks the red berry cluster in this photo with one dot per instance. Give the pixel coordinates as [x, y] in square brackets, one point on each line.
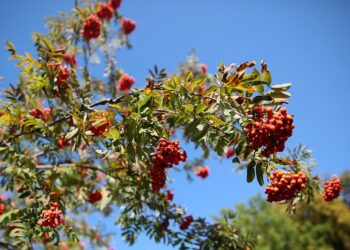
[62, 142]
[168, 154]
[105, 11]
[128, 25]
[52, 217]
[331, 189]
[169, 196]
[125, 82]
[202, 172]
[115, 4]
[270, 130]
[186, 222]
[285, 185]
[70, 59]
[63, 75]
[99, 129]
[44, 114]
[95, 197]
[92, 27]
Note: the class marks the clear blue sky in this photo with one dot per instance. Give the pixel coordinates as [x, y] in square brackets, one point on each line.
[303, 42]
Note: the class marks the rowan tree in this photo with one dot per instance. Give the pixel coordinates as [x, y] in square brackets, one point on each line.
[71, 143]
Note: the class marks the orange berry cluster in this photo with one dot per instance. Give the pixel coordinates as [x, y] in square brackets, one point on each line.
[331, 189]
[52, 217]
[270, 130]
[125, 82]
[186, 222]
[95, 197]
[168, 154]
[128, 25]
[285, 185]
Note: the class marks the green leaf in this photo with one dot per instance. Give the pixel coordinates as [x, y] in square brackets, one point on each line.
[281, 87]
[210, 90]
[279, 94]
[11, 47]
[200, 108]
[71, 133]
[144, 99]
[189, 108]
[260, 174]
[260, 88]
[250, 171]
[112, 134]
[266, 73]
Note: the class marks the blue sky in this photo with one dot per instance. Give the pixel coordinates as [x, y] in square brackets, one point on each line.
[303, 42]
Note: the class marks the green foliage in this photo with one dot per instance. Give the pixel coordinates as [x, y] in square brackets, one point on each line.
[91, 136]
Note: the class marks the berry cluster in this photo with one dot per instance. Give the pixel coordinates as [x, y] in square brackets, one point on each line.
[105, 11]
[285, 185]
[60, 73]
[186, 222]
[331, 189]
[202, 172]
[44, 114]
[95, 197]
[52, 217]
[70, 59]
[169, 196]
[270, 130]
[127, 25]
[92, 27]
[115, 4]
[125, 82]
[62, 76]
[99, 129]
[62, 142]
[168, 154]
